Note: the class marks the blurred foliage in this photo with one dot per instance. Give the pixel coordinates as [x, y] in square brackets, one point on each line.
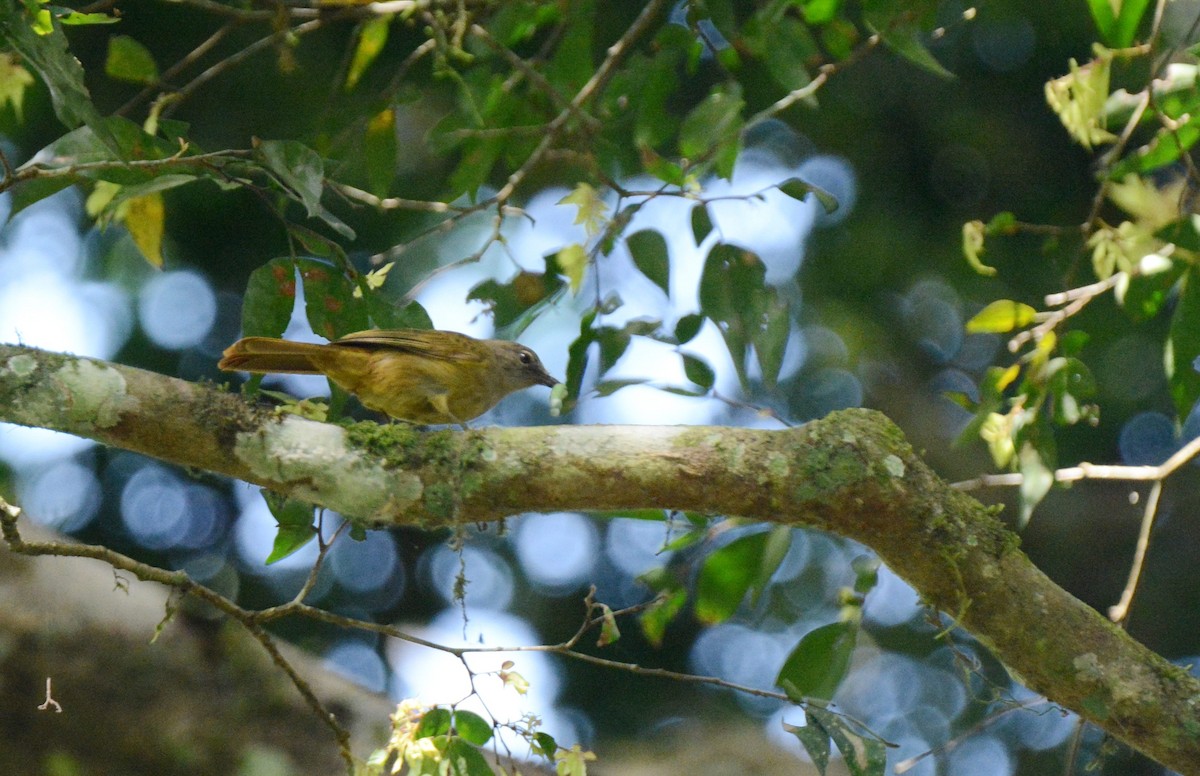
[333, 144]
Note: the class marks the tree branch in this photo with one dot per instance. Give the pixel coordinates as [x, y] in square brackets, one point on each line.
[851, 473]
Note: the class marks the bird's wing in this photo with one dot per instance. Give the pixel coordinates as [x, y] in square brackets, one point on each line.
[430, 343]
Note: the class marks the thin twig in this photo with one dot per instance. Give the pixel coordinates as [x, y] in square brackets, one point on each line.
[418, 205]
[604, 73]
[904, 766]
[192, 56]
[50, 702]
[535, 77]
[1120, 611]
[235, 59]
[1076, 299]
[180, 581]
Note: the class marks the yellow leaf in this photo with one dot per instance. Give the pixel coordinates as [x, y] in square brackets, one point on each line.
[972, 237]
[573, 260]
[1007, 376]
[592, 213]
[997, 431]
[573, 761]
[98, 201]
[145, 219]
[1000, 316]
[372, 37]
[514, 680]
[1079, 96]
[375, 278]
[14, 80]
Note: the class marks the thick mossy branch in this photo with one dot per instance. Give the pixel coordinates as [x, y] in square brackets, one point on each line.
[851, 473]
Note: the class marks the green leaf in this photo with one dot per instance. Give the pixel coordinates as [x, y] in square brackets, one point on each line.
[1118, 31]
[727, 575]
[733, 293]
[613, 344]
[1183, 345]
[270, 297]
[701, 223]
[714, 122]
[1070, 382]
[380, 152]
[609, 387]
[1002, 315]
[1003, 223]
[128, 60]
[75, 18]
[790, 48]
[1036, 481]
[815, 740]
[820, 11]
[661, 168]
[466, 759]
[1105, 19]
[866, 573]
[655, 618]
[117, 139]
[300, 173]
[688, 327]
[385, 315]
[295, 520]
[819, 662]
[289, 540]
[655, 84]
[473, 728]
[329, 302]
[798, 189]
[318, 244]
[1167, 146]
[904, 28]
[434, 722]
[770, 338]
[544, 744]
[156, 185]
[577, 355]
[1184, 233]
[525, 293]
[49, 56]
[1071, 343]
[779, 541]
[649, 250]
[571, 64]
[372, 37]
[698, 371]
[1143, 295]
[863, 755]
[35, 190]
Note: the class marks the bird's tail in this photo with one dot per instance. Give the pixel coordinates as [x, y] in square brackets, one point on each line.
[267, 354]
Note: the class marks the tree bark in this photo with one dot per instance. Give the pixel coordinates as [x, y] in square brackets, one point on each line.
[851, 473]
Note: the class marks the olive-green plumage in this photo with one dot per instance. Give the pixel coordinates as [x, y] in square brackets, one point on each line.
[410, 374]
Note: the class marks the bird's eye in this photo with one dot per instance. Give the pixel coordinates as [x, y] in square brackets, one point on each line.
[526, 357]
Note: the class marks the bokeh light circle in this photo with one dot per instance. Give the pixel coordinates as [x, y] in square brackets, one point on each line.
[176, 309]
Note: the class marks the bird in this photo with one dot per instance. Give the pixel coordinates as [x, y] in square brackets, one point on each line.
[422, 376]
